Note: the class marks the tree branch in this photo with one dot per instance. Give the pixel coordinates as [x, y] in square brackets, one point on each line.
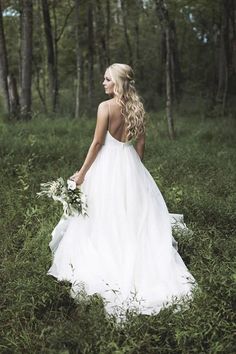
[64, 24]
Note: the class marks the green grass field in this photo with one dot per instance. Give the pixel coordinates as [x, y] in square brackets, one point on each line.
[195, 173]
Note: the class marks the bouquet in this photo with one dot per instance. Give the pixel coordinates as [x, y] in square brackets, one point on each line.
[73, 200]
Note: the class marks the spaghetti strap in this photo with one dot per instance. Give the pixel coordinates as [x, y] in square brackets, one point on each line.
[108, 115]
[108, 109]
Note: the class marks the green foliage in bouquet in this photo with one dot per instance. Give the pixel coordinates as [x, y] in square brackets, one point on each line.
[73, 200]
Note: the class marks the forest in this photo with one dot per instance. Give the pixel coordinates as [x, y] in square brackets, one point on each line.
[53, 55]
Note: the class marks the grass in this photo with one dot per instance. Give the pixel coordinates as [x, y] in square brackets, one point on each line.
[196, 176]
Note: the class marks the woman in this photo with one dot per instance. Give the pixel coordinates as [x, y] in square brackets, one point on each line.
[123, 249]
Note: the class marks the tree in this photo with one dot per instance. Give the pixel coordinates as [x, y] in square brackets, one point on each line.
[3, 66]
[53, 34]
[13, 96]
[169, 85]
[91, 53]
[102, 35]
[226, 53]
[126, 33]
[26, 58]
[75, 52]
[170, 63]
[108, 28]
[78, 58]
[51, 62]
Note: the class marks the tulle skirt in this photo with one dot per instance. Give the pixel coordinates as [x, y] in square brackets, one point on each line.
[124, 249]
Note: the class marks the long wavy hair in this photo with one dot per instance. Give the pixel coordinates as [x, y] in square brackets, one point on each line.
[127, 97]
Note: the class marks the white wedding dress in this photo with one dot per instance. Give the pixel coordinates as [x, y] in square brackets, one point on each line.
[123, 250]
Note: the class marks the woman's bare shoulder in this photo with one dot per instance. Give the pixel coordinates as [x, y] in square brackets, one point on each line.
[108, 104]
[103, 106]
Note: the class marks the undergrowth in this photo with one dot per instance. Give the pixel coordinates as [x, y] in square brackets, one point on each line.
[196, 175]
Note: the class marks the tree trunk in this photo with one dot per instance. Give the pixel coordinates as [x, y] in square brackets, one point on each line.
[78, 58]
[90, 58]
[175, 64]
[232, 14]
[138, 64]
[163, 14]
[126, 33]
[99, 36]
[52, 74]
[169, 98]
[38, 87]
[26, 57]
[56, 39]
[225, 53]
[102, 37]
[3, 67]
[13, 96]
[223, 68]
[137, 41]
[108, 28]
[161, 83]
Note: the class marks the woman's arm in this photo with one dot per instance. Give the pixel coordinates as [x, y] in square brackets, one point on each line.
[98, 141]
[140, 145]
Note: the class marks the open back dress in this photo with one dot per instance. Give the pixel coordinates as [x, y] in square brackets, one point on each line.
[123, 250]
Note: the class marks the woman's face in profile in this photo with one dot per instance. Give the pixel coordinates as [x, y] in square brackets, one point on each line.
[108, 84]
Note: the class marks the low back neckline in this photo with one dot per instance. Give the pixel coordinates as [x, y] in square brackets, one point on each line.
[109, 115]
[121, 142]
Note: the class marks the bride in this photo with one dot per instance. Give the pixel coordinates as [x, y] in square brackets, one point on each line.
[123, 249]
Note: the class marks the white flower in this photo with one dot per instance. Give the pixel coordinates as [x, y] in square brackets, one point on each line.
[83, 199]
[71, 184]
[54, 187]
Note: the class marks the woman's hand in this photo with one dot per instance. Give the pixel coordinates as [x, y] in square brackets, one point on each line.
[78, 177]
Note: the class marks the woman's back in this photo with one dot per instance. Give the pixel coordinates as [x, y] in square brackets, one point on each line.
[116, 122]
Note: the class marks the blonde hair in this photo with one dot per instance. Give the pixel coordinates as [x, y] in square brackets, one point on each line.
[127, 97]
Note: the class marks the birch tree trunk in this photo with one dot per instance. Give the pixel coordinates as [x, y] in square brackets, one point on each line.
[13, 96]
[163, 14]
[3, 66]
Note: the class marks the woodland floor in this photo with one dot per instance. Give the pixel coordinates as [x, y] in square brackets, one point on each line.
[195, 173]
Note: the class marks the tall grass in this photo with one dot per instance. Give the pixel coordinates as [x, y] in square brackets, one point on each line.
[196, 176]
